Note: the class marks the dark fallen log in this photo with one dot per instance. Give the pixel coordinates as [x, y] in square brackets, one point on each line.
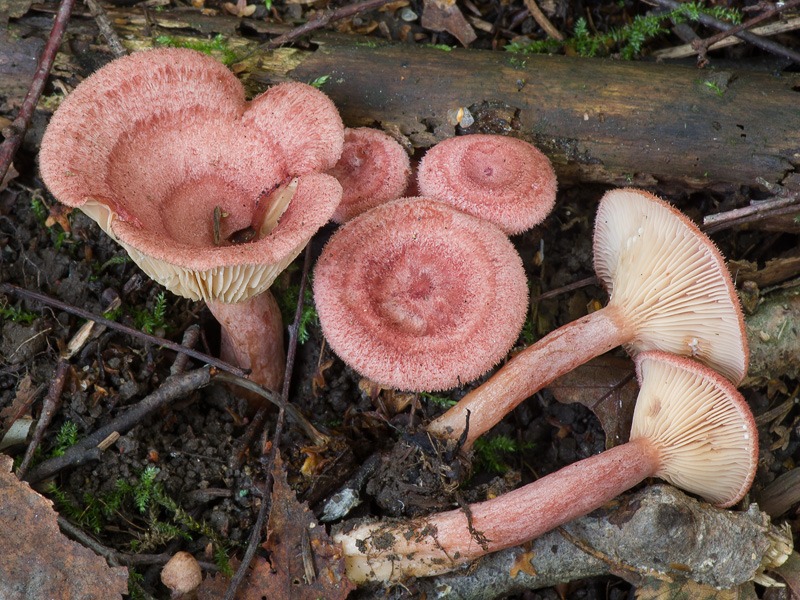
[599, 120]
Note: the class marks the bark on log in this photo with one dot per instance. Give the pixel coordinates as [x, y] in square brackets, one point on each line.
[599, 120]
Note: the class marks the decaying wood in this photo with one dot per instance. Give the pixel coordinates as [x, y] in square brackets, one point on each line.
[598, 120]
[657, 532]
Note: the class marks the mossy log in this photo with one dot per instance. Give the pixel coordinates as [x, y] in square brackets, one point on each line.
[599, 120]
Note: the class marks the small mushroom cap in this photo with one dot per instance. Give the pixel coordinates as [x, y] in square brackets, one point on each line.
[670, 281]
[373, 169]
[181, 574]
[417, 295]
[151, 144]
[504, 180]
[700, 425]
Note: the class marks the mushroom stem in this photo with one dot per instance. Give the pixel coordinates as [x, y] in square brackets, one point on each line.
[442, 542]
[532, 369]
[252, 337]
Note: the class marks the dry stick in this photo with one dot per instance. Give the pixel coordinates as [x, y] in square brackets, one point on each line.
[764, 44]
[322, 19]
[575, 285]
[189, 341]
[255, 535]
[12, 142]
[51, 404]
[104, 25]
[175, 386]
[10, 288]
[701, 46]
[543, 21]
[757, 216]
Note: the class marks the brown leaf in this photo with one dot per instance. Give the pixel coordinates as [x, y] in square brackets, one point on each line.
[38, 561]
[59, 213]
[20, 406]
[790, 573]
[11, 173]
[304, 563]
[446, 16]
[607, 386]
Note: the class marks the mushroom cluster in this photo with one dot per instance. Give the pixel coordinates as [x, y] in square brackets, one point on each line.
[211, 195]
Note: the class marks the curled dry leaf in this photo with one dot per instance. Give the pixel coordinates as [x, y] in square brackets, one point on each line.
[38, 561]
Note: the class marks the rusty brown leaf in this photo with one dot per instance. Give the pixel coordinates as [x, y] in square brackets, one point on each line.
[38, 561]
[21, 405]
[607, 386]
[303, 564]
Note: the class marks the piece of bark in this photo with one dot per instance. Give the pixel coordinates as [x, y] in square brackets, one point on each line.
[657, 531]
[599, 120]
[773, 334]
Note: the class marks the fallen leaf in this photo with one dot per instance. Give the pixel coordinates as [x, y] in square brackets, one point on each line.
[790, 573]
[607, 386]
[59, 213]
[522, 563]
[11, 173]
[21, 405]
[38, 561]
[303, 564]
[446, 16]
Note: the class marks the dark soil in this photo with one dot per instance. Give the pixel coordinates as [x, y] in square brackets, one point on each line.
[195, 445]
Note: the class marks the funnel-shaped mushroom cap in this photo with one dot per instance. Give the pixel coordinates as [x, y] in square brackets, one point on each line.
[153, 143]
[699, 424]
[373, 169]
[670, 282]
[417, 295]
[504, 180]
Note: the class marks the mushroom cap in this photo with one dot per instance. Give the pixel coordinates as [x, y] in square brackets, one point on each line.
[417, 295]
[181, 574]
[670, 281]
[153, 142]
[373, 169]
[501, 179]
[700, 425]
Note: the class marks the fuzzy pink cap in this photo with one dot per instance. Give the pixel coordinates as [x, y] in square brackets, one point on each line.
[501, 179]
[152, 143]
[373, 169]
[419, 296]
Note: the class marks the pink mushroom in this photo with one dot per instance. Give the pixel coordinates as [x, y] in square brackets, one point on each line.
[211, 195]
[501, 179]
[373, 169]
[417, 295]
[690, 427]
[668, 290]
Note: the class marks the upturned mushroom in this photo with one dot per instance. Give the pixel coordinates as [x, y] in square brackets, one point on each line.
[373, 169]
[419, 296]
[504, 180]
[211, 195]
[668, 290]
[690, 427]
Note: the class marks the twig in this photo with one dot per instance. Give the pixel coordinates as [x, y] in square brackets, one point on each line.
[701, 46]
[255, 535]
[190, 338]
[575, 285]
[322, 19]
[757, 212]
[104, 25]
[10, 288]
[685, 50]
[50, 406]
[709, 21]
[543, 21]
[175, 386]
[18, 128]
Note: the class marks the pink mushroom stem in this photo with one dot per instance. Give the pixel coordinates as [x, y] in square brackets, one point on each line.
[252, 337]
[531, 370]
[508, 520]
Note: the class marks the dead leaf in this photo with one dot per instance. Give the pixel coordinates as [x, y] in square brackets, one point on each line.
[790, 573]
[304, 563]
[446, 16]
[59, 213]
[38, 561]
[21, 404]
[12, 173]
[657, 589]
[522, 563]
[607, 386]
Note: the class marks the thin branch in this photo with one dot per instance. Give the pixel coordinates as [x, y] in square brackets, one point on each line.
[322, 19]
[9, 288]
[709, 21]
[543, 21]
[701, 46]
[575, 285]
[175, 386]
[52, 403]
[18, 128]
[104, 25]
[255, 535]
